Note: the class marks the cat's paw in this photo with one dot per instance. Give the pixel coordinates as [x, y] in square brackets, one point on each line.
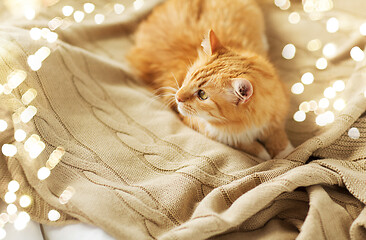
[284, 153]
[264, 155]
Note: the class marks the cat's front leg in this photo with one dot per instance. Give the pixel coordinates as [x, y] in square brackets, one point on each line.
[256, 149]
[276, 142]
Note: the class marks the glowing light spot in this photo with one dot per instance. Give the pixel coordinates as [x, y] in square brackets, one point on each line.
[1, 89]
[2, 233]
[67, 10]
[3, 125]
[324, 103]
[10, 197]
[357, 54]
[53, 215]
[42, 53]
[35, 33]
[43, 173]
[313, 105]
[16, 78]
[11, 209]
[280, 3]
[137, 4]
[99, 18]
[25, 201]
[330, 50]
[289, 51]
[66, 195]
[34, 63]
[294, 18]
[79, 16]
[89, 7]
[321, 120]
[339, 85]
[314, 45]
[29, 96]
[305, 107]
[339, 104]
[36, 149]
[325, 5]
[29, 13]
[297, 88]
[31, 142]
[321, 63]
[286, 6]
[55, 23]
[52, 37]
[21, 221]
[28, 114]
[329, 93]
[55, 157]
[332, 25]
[20, 135]
[307, 78]
[363, 29]
[24, 216]
[119, 8]
[300, 116]
[45, 32]
[13, 186]
[9, 150]
[354, 133]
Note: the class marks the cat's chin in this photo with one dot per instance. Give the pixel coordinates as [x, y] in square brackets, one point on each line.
[182, 112]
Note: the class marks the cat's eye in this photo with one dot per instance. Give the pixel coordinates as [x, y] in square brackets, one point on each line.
[202, 95]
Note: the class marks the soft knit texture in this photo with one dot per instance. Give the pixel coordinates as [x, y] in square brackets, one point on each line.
[140, 173]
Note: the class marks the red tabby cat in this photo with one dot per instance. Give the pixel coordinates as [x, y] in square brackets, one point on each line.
[227, 89]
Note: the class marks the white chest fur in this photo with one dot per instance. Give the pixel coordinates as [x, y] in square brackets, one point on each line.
[233, 138]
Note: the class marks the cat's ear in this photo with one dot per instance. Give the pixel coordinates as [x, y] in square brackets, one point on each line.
[243, 89]
[211, 44]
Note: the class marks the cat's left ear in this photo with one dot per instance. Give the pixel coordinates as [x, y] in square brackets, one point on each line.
[243, 89]
[211, 44]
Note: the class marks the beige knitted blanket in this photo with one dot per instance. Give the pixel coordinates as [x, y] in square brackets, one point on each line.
[139, 173]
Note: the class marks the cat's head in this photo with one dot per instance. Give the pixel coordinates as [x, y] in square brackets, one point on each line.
[222, 84]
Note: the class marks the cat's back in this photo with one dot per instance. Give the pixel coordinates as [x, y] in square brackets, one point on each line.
[238, 23]
[167, 41]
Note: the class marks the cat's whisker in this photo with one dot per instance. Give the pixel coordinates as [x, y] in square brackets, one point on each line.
[163, 90]
[176, 81]
[159, 98]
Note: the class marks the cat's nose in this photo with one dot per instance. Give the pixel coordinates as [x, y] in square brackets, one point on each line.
[179, 98]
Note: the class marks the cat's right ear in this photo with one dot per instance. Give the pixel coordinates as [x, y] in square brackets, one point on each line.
[211, 44]
[243, 90]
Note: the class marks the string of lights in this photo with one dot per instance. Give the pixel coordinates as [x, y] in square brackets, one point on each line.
[314, 10]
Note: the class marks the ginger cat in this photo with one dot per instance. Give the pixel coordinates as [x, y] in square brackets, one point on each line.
[222, 85]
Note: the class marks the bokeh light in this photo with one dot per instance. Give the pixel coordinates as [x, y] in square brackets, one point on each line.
[357, 54]
[300, 116]
[289, 51]
[297, 88]
[354, 133]
[321, 63]
[332, 25]
[307, 78]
